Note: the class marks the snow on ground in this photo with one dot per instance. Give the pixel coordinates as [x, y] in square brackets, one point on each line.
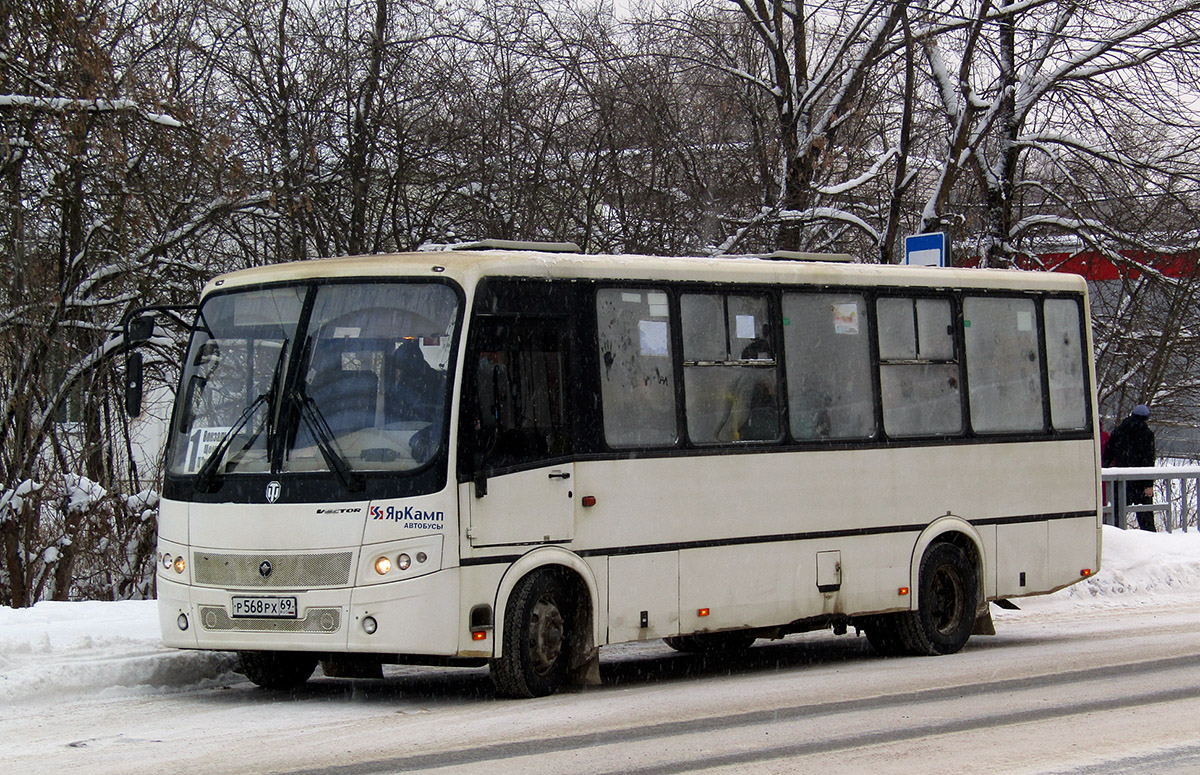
[57, 651]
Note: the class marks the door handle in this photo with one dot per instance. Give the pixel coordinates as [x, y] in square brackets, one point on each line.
[560, 475]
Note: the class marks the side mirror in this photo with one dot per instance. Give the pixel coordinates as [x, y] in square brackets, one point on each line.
[133, 384]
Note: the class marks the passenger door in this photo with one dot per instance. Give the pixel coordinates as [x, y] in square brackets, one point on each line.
[522, 476]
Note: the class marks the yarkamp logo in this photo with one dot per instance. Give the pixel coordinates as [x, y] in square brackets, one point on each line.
[411, 518]
[273, 492]
[265, 569]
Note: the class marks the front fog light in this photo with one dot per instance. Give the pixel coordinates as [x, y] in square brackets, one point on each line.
[180, 564]
[382, 566]
[370, 625]
[182, 622]
[403, 561]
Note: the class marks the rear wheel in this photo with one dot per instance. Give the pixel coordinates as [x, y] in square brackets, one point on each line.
[277, 669]
[945, 612]
[712, 642]
[946, 596]
[538, 627]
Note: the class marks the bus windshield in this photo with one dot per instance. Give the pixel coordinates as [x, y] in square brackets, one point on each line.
[341, 377]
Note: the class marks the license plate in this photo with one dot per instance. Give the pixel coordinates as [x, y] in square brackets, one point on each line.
[265, 607]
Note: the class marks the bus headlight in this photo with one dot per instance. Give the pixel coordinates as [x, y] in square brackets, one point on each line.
[382, 566]
[403, 561]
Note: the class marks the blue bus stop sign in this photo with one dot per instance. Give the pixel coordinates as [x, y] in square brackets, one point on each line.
[927, 249]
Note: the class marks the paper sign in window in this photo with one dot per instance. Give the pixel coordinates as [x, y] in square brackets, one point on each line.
[745, 327]
[654, 337]
[1024, 320]
[845, 318]
[658, 304]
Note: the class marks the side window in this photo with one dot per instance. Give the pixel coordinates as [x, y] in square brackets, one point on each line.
[1004, 369]
[1065, 361]
[831, 392]
[918, 370]
[729, 369]
[521, 391]
[637, 380]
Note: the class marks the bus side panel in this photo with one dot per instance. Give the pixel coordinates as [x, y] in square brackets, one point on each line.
[643, 583]
[1074, 545]
[1022, 561]
[746, 585]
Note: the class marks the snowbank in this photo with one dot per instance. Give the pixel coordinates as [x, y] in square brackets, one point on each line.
[58, 650]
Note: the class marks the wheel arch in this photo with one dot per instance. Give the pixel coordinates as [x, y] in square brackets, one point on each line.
[952, 530]
[574, 570]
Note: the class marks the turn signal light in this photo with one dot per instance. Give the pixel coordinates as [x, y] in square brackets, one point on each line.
[180, 564]
[382, 566]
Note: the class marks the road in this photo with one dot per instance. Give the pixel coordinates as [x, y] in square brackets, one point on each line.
[1112, 690]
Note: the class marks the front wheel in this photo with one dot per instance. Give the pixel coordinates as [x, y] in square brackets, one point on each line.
[277, 669]
[538, 628]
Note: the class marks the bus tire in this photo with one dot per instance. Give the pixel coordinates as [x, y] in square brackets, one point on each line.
[946, 604]
[712, 642]
[538, 627]
[277, 669]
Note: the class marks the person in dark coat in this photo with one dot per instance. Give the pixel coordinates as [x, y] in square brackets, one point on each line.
[1131, 445]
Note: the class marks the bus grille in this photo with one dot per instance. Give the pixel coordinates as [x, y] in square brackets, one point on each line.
[315, 620]
[286, 570]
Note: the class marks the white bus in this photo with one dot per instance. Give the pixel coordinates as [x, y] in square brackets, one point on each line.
[518, 456]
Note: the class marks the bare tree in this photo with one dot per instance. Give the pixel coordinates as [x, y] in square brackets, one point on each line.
[1036, 99]
[104, 206]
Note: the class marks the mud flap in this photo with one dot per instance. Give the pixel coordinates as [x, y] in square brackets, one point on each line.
[587, 672]
[983, 623]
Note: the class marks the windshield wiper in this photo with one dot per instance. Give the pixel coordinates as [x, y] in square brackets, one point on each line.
[312, 418]
[272, 412]
[206, 477]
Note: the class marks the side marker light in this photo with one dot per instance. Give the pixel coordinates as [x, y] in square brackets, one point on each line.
[588, 501]
[702, 612]
[903, 591]
[1085, 572]
[479, 635]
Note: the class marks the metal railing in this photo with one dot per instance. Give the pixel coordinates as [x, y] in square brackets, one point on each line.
[1176, 496]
